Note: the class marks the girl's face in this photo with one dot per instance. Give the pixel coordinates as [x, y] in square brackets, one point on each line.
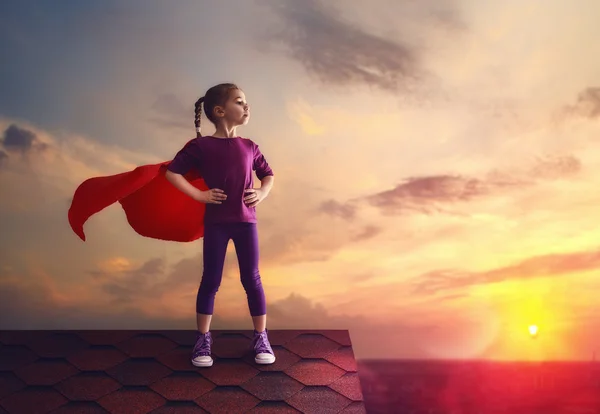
[236, 111]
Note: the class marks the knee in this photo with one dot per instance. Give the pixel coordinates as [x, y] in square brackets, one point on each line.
[250, 279]
[209, 285]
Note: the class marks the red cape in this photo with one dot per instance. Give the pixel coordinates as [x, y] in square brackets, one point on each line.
[153, 206]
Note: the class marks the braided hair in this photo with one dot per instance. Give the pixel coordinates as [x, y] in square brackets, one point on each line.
[215, 96]
[198, 116]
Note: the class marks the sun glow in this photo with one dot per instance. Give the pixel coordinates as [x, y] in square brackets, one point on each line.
[533, 330]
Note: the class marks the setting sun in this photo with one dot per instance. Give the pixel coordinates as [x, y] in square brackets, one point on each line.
[533, 330]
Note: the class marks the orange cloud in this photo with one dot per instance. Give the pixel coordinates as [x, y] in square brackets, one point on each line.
[541, 266]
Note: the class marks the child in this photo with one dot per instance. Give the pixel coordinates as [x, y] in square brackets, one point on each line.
[226, 161]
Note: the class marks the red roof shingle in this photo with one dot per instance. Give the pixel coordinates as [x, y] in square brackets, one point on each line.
[134, 372]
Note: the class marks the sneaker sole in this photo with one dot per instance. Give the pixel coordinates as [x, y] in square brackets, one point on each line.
[264, 361]
[202, 364]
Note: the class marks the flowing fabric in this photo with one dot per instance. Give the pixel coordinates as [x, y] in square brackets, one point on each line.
[153, 206]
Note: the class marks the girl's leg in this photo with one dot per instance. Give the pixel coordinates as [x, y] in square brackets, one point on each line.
[203, 322]
[259, 322]
[216, 238]
[245, 239]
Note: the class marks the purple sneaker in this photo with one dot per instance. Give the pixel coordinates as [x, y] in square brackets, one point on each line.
[262, 348]
[201, 353]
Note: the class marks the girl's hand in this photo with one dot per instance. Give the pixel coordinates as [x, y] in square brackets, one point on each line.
[213, 196]
[254, 196]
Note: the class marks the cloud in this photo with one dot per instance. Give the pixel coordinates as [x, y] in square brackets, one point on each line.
[151, 289]
[36, 197]
[310, 235]
[587, 104]
[299, 312]
[70, 159]
[128, 284]
[429, 194]
[21, 140]
[339, 52]
[367, 233]
[335, 208]
[421, 194]
[125, 281]
[554, 168]
[63, 161]
[296, 246]
[439, 281]
[424, 191]
[34, 306]
[31, 302]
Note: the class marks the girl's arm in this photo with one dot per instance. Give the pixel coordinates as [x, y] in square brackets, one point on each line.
[212, 196]
[266, 184]
[183, 185]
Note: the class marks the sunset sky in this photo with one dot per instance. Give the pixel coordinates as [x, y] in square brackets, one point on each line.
[436, 167]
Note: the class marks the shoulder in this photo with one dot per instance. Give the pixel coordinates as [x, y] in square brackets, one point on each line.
[192, 142]
[197, 143]
[250, 142]
[193, 147]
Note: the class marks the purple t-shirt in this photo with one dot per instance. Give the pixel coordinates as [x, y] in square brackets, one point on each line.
[225, 163]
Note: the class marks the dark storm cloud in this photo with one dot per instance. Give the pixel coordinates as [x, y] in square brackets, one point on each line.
[338, 52]
[440, 281]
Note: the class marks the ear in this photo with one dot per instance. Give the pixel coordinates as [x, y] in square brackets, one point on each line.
[219, 111]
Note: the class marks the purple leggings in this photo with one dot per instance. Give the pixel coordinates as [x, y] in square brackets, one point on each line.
[245, 239]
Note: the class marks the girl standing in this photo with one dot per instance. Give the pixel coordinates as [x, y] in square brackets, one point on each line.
[226, 162]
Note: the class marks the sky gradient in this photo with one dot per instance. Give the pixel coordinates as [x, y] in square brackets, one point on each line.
[436, 189]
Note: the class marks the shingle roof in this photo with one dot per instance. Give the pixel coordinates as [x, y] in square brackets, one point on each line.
[150, 372]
